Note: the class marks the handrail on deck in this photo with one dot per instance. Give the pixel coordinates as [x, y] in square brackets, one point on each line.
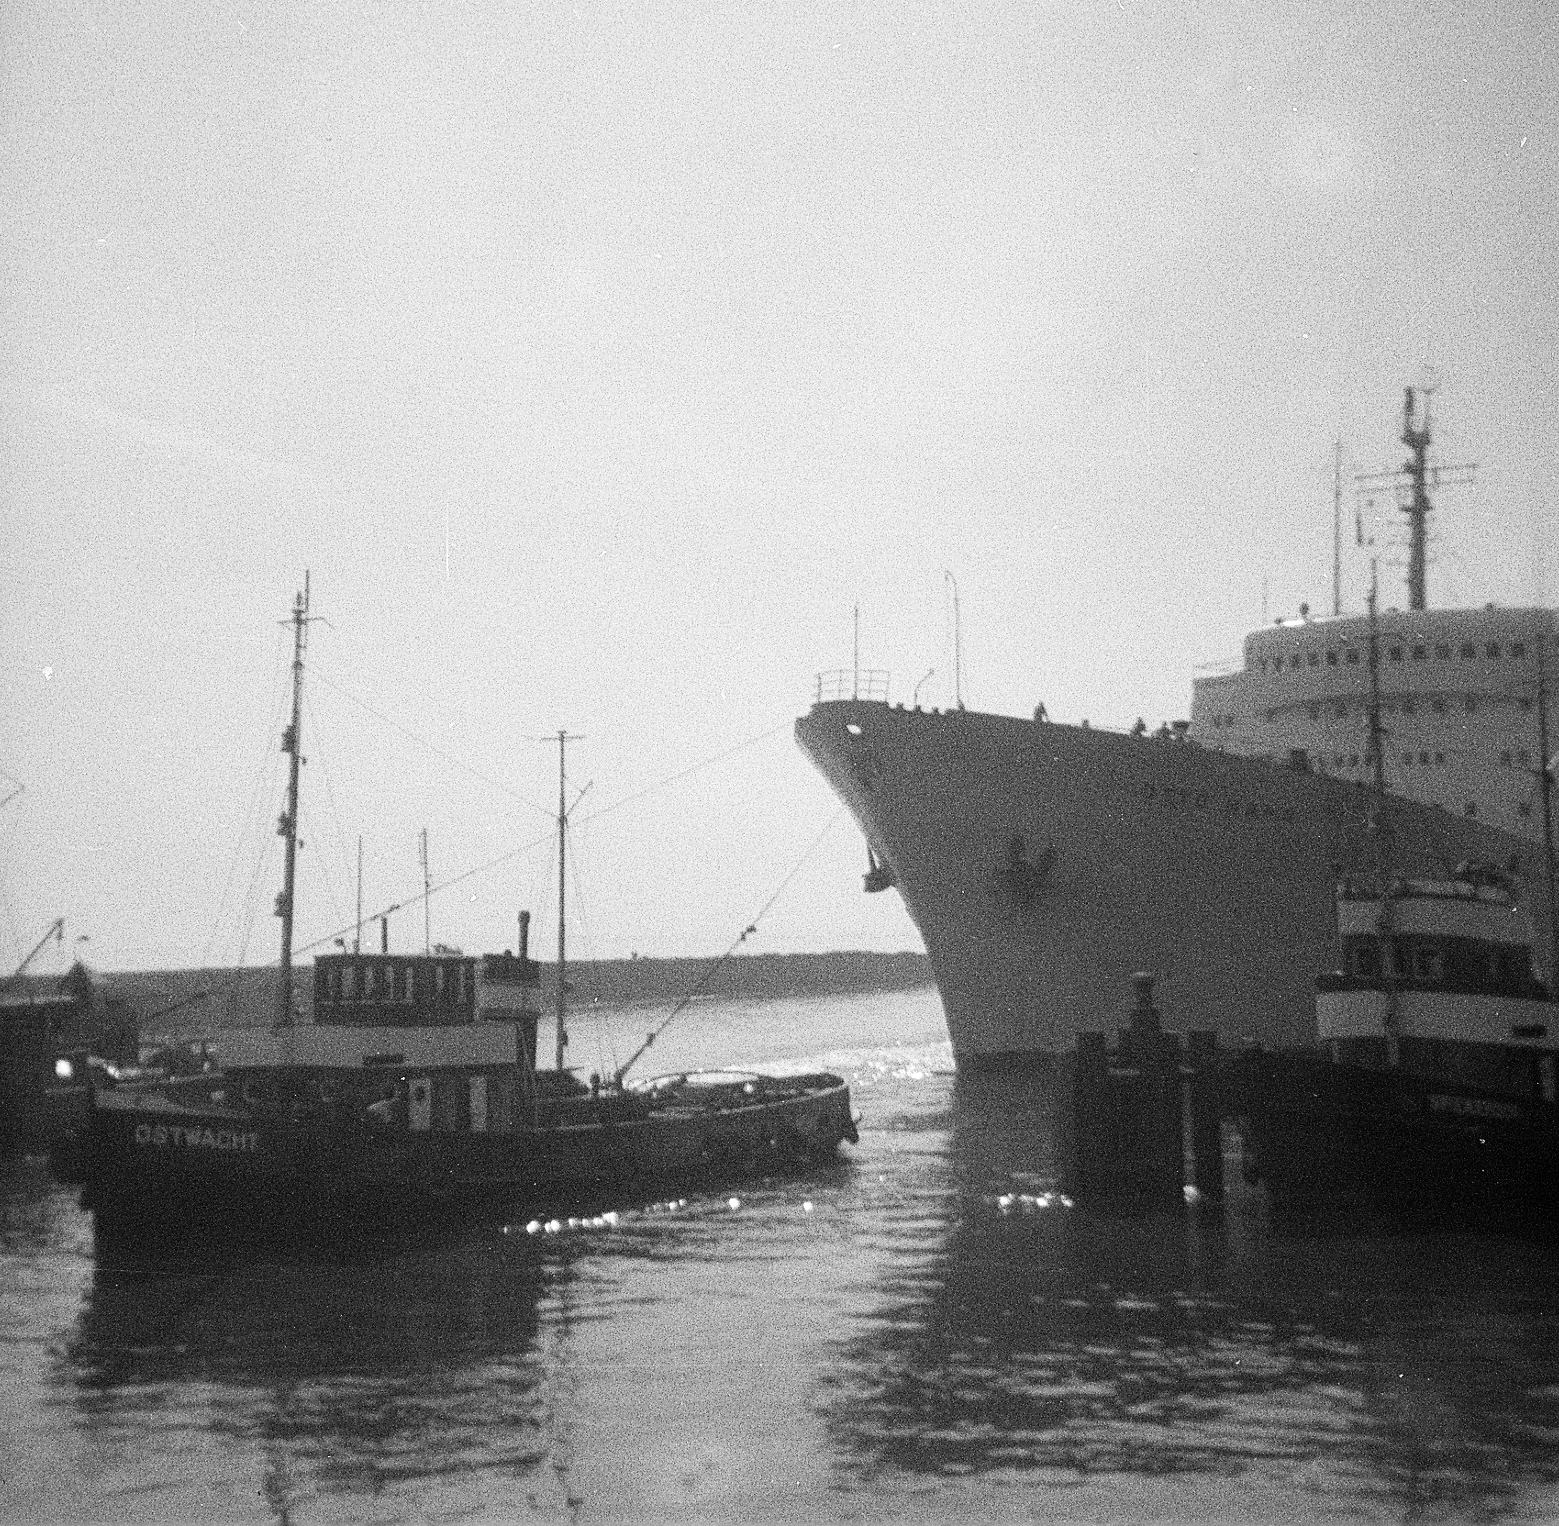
[851, 683]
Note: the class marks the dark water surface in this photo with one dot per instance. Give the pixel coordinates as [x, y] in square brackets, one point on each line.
[921, 1332]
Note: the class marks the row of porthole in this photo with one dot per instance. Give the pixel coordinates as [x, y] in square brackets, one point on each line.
[1394, 653]
[1437, 706]
[1367, 760]
[1341, 710]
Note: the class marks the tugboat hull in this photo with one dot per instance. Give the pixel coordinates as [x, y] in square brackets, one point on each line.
[144, 1161]
[1321, 1135]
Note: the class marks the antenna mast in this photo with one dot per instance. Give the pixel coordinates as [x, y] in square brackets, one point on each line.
[427, 896]
[287, 827]
[1416, 438]
[958, 645]
[855, 690]
[1336, 530]
[1413, 481]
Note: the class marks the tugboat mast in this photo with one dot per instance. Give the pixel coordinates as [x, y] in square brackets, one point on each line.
[1382, 833]
[562, 1031]
[1545, 780]
[287, 827]
[1377, 731]
[564, 737]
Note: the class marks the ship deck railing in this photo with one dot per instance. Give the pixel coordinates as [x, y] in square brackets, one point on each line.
[871, 684]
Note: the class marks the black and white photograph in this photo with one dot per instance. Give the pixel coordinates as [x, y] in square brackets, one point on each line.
[779, 762]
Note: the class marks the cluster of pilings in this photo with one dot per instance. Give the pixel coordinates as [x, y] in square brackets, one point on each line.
[1139, 1123]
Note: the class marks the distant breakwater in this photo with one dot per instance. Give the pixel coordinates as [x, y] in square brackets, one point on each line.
[172, 1003]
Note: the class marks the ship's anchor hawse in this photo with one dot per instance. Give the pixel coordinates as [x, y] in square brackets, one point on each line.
[1021, 874]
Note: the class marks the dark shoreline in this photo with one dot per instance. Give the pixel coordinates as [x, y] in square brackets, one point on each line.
[168, 1003]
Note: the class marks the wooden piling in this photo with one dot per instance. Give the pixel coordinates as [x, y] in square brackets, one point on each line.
[1125, 1139]
[1204, 1106]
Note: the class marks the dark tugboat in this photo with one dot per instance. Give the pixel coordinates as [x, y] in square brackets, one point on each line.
[413, 1089]
[51, 1032]
[1434, 1088]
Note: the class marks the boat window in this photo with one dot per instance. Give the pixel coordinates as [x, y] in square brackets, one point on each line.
[1518, 649]
[1353, 657]
[1420, 651]
[438, 982]
[1442, 649]
[1314, 660]
[1472, 703]
[1331, 659]
[1438, 706]
[1396, 654]
[1293, 661]
[1469, 650]
[1493, 649]
[349, 983]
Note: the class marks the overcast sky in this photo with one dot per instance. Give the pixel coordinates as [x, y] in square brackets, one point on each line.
[598, 360]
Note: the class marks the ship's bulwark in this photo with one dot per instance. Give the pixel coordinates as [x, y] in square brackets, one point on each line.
[1044, 863]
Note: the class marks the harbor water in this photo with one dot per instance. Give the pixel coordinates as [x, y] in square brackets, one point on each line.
[925, 1331]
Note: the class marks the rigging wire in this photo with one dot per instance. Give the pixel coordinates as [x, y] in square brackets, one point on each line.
[10, 825]
[587, 953]
[536, 842]
[432, 747]
[311, 717]
[685, 773]
[736, 943]
[264, 769]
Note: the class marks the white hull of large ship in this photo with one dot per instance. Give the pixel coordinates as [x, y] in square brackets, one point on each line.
[1214, 871]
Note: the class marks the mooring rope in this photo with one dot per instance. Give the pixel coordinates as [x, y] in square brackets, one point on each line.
[740, 939]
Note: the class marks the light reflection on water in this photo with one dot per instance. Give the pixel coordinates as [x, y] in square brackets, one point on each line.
[919, 1332]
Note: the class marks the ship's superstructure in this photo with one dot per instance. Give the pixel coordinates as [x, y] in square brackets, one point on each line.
[1458, 705]
[1043, 863]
